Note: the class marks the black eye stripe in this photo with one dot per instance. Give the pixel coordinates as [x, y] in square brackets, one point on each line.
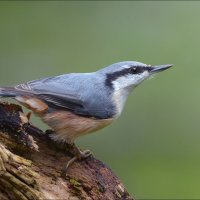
[110, 77]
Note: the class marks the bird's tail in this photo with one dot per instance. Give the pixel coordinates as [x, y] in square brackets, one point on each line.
[8, 92]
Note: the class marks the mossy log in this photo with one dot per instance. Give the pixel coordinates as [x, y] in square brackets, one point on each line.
[32, 167]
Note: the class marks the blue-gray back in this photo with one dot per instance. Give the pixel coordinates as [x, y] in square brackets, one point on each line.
[82, 93]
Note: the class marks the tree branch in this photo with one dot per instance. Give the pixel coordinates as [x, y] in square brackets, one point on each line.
[33, 167]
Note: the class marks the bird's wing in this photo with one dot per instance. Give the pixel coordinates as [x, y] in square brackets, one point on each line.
[56, 93]
[67, 101]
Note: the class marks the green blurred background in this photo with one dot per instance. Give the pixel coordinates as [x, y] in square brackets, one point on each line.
[155, 146]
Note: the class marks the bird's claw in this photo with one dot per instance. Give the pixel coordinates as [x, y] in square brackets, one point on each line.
[84, 154]
[80, 155]
[70, 162]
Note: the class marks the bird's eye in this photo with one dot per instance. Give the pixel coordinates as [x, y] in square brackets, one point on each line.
[137, 70]
[133, 70]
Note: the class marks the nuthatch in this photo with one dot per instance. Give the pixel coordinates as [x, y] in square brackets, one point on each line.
[79, 103]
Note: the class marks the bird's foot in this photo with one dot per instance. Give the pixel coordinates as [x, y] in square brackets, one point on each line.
[79, 155]
[86, 153]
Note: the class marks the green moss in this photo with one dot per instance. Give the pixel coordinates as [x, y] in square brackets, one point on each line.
[75, 182]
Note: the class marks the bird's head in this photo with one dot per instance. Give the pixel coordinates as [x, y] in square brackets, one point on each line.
[127, 75]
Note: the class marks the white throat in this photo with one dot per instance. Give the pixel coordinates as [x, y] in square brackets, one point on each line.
[120, 94]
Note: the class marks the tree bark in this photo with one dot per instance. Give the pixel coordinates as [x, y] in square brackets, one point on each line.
[33, 167]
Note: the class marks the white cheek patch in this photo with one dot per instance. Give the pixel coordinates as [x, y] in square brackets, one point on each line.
[141, 77]
[130, 80]
[122, 82]
[123, 86]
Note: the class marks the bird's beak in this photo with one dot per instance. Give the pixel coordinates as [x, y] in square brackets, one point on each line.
[159, 68]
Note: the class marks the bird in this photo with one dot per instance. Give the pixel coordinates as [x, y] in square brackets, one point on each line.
[76, 104]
